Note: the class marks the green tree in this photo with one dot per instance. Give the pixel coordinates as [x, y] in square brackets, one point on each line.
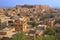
[57, 21]
[40, 38]
[57, 30]
[50, 38]
[57, 36]
[50, 31]
[34, 24]
[46, 38]
[47, 16]
[19, 36]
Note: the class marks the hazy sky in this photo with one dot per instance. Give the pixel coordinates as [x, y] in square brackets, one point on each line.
[5, 3]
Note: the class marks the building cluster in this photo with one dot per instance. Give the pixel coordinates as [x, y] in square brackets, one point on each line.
[24, 17]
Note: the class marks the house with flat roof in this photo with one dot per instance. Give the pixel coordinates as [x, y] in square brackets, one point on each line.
[7, 32]
[38, 30]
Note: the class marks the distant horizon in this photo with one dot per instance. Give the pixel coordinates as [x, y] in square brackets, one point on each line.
[29, 4]
[12, 3]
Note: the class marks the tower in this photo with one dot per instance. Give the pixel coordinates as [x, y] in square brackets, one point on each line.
[0, 23]
[19, 25]
[23, 24]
